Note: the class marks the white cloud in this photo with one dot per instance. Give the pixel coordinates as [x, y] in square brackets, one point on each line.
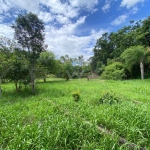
[106, 7]
[134, 10]
[62, 39]
[70, 8]
[45, 16]
[56, 7]
[62, 19]
[130, 3]
[89, 4]
[4, 7]
[121, 19]
[27, 5]
[66, 29]
[6, 31]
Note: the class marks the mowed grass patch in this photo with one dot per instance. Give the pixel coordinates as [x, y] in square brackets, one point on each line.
[51, 119]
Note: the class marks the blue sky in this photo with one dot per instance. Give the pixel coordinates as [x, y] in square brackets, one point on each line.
[73, 26]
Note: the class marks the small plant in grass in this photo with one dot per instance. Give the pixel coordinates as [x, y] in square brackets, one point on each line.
[109, 98]
[76, 95]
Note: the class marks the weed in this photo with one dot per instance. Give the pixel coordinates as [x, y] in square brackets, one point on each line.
[76, 95]
[109, 98]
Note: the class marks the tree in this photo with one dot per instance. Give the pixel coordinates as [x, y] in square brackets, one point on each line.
[65, 59]
[29, 32]
[47, 64]
[143, 33]
[133, 55]
[71, 67]
[6, 47]
[5, 55]
[67, 70]
[2, 65]
[13, 66]
[110, 46]
[66, 67]
[80, 60]
[17, 69]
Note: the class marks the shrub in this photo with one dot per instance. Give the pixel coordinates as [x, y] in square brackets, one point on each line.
[115, 71]
[109, 98]
[76, 95]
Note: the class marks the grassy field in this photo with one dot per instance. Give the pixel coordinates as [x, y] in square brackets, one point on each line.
[52, 120]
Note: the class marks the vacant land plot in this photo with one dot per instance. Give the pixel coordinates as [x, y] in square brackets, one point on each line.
[52, 120]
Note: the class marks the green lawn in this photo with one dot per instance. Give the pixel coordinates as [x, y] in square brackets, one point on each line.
[52, 120]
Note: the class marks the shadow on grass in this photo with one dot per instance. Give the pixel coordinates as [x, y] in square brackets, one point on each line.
[41, 91]
[12, 96]
[52, 82]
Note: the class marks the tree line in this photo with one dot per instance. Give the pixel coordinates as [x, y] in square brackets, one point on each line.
[124, 54]
[26, 57]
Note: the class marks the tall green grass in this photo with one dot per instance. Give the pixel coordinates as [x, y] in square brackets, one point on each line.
[53, 120]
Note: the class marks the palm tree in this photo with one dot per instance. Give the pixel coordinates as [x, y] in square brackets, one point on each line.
[136, 54]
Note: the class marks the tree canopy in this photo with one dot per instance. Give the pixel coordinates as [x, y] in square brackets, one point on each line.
[109, 48]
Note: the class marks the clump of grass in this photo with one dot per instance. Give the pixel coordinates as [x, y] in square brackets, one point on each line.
[109, 98]
[76, 95]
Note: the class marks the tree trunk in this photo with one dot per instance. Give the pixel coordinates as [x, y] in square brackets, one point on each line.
[0, 88]
[2, 80]
[32, 77]
[44, 79]
[16, 85]
[88, 78]
[142, 70]
[67, 78]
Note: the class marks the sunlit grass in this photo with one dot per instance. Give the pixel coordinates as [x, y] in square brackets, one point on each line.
[53, 120]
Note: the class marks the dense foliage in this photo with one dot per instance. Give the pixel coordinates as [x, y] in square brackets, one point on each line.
[111, 46]
[115, 71]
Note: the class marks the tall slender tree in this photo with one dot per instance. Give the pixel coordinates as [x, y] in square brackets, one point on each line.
[29, 32]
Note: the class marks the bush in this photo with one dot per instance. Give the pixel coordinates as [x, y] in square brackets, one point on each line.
[115, 71]
[109, 98]
[76, 95]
